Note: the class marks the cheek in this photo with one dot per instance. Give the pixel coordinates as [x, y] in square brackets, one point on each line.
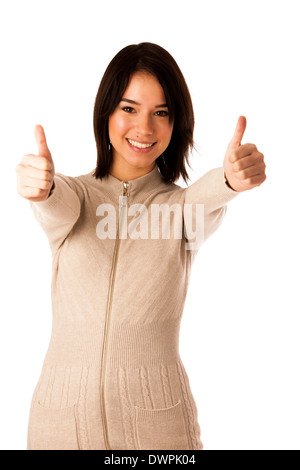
[117, 126]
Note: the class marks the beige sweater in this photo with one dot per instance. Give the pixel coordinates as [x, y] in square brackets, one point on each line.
[112, 376]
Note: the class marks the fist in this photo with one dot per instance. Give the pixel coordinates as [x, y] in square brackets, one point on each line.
[35, 173]
[244, 165]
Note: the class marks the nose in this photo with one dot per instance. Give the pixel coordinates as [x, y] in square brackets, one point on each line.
[144, 125]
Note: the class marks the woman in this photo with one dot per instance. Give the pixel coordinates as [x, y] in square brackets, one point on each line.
[112, 377]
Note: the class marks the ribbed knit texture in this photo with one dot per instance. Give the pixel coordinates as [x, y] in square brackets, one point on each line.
[112, 376]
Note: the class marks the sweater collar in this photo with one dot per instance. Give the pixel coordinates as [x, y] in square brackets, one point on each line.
[136, 187]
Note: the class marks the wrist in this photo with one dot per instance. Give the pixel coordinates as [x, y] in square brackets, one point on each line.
[227, 182]
[52, 189]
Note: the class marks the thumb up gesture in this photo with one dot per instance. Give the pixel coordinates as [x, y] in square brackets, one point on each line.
[244, 165]
[35, 173]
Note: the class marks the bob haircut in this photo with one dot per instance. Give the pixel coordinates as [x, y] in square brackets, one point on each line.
[155, 60]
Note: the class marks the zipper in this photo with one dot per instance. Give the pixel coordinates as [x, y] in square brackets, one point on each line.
[125, 186]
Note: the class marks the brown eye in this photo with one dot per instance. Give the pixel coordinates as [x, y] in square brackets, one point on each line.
[165, 113]
[126, 108]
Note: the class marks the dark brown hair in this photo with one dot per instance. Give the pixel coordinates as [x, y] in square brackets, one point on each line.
[155, 60]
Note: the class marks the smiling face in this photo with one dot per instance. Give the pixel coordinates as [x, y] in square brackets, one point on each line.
[140, 118]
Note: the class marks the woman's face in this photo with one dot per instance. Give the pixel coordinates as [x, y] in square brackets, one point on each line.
[141, 117]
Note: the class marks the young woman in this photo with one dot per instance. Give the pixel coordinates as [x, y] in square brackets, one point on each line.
[123, 241]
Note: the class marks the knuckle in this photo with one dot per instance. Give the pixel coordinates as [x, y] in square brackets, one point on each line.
[234, 155]
[38, 192]
[46, 174]
[46, 164]
[26, 158]
[45, 185]
[260, 182]
[250, 146]
[243, 175]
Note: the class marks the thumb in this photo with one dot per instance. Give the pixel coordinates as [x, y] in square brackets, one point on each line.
[238, 133]
[41, 142]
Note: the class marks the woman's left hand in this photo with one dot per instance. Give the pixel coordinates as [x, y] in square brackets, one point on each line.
[244, 165]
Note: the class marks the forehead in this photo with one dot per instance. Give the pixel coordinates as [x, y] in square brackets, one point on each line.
[144, 86]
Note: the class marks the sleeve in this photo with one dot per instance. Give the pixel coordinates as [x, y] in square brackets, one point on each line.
[60, 211]
[205, 206]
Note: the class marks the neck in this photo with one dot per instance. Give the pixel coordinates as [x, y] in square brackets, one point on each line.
[126, 173]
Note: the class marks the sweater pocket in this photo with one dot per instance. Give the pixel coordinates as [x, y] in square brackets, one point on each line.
[161, 429]
[52, 429]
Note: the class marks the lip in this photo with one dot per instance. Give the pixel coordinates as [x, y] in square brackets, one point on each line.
[138, 150]
[141, 142]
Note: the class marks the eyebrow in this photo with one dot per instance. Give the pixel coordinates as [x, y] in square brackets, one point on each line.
[164, 105]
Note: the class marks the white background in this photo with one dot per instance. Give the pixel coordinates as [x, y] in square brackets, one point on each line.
[240, 328]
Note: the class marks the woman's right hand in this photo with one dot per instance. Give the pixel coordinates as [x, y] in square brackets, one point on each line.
[35, 173]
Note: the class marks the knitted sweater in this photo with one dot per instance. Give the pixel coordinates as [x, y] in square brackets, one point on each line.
[112, 377]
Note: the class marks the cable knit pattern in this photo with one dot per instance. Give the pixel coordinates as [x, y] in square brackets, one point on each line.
[135, 395]
[50, 386]
[126, 410]
[60, 387]
[66, 385]
[190, 416]
[166, 386]
[145, 388]
[81, 412]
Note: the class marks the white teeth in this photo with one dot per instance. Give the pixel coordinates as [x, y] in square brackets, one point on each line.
[139, 145]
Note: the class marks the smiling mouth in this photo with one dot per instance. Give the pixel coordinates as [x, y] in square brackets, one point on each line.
[140, 145]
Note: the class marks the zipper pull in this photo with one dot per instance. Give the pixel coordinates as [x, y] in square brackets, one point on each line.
[123, 209]
[125, 193]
